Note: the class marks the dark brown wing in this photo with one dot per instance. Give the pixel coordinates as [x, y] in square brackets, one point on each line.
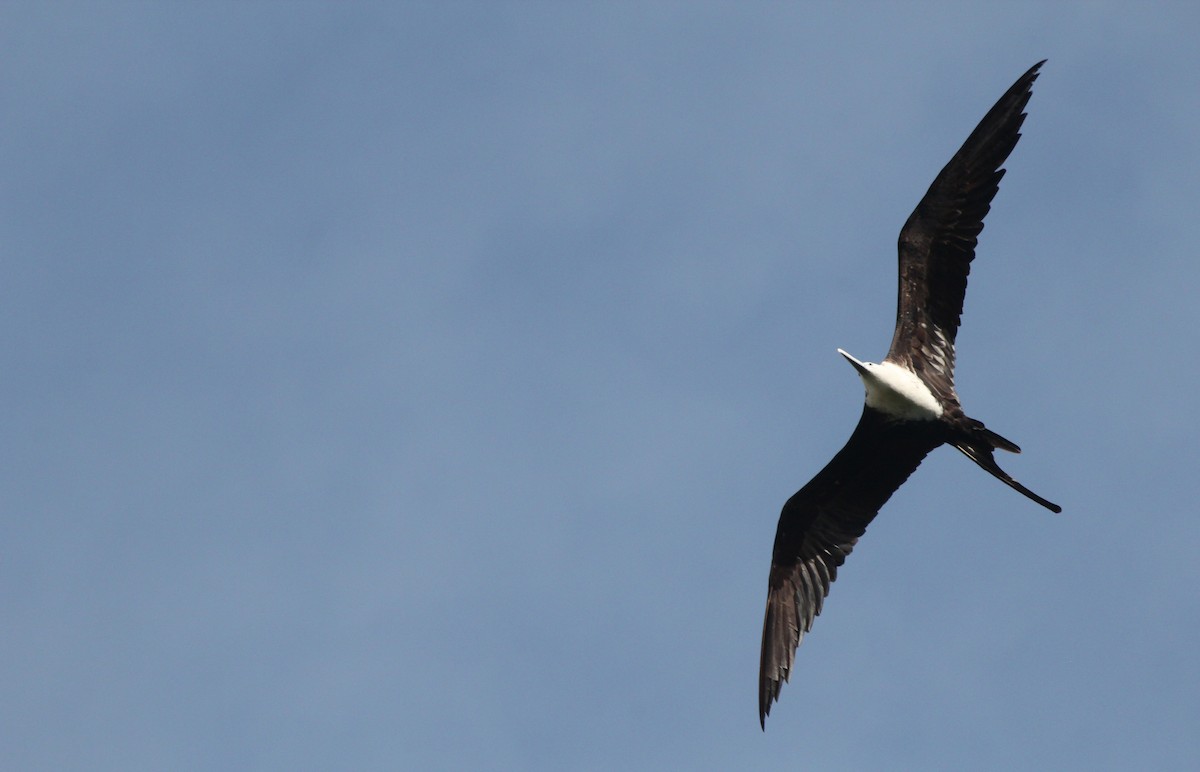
[821, 524]
[937, 243]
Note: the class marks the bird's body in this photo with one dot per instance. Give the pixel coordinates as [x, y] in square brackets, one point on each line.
[910, 405]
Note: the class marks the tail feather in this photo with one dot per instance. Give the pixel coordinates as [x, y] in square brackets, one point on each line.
[980, 445]
[998, 442]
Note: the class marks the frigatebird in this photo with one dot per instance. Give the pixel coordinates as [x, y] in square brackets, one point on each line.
[911, 406]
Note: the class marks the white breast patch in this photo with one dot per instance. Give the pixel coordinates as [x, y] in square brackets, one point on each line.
[897, 391]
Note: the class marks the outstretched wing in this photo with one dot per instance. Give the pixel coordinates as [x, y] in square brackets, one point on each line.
[937, 243]
[819, 527]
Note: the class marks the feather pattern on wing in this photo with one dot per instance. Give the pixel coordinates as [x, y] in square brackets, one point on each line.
[820, 525]
[937, 243]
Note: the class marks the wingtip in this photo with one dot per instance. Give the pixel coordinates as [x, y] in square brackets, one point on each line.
[764, 708]
[1032, 74]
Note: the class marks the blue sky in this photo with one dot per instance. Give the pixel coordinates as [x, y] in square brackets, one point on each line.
[416, 386]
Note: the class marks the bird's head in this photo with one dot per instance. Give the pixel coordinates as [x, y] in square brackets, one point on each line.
[895, 390]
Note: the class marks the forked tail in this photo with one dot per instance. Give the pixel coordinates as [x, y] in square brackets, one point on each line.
[980, 444]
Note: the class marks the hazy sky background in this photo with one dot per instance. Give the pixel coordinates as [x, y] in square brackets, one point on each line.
[416, 386]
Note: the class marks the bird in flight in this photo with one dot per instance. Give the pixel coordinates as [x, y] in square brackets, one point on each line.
[911, 406]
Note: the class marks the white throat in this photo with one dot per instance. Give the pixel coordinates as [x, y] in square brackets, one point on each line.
[896, 391]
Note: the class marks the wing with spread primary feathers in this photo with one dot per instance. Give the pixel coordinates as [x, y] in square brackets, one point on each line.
[819, 527]
[937, 243]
